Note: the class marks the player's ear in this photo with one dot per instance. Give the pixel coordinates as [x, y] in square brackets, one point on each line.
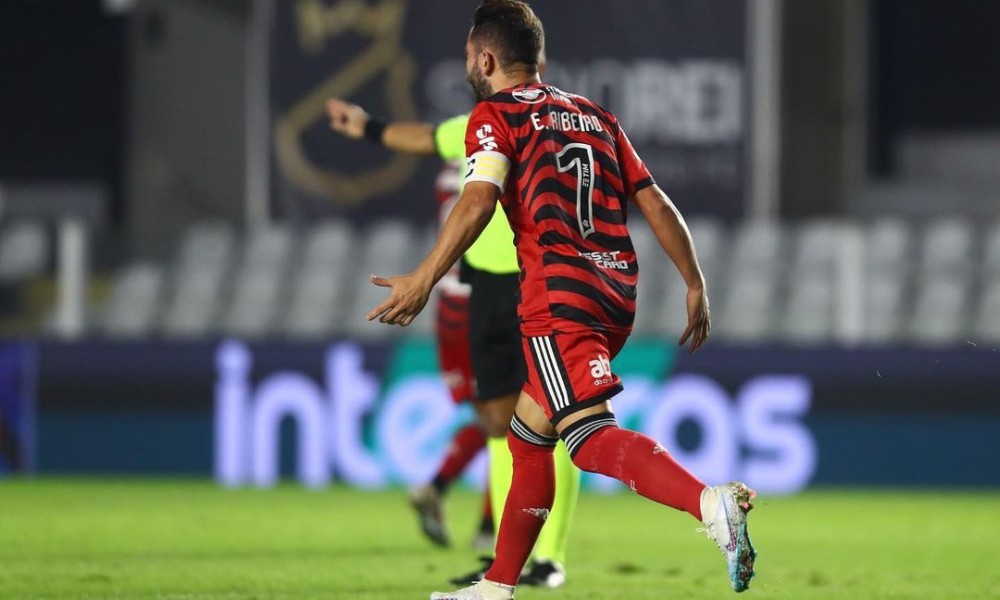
[488, 62]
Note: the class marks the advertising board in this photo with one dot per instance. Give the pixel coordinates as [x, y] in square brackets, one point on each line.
[374, 415]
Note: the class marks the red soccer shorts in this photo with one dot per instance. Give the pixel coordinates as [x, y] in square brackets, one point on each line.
[454, 355]
[571, 371]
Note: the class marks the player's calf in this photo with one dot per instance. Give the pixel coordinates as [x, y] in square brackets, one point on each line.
[529, 501]
[598, 445]
[576, 436]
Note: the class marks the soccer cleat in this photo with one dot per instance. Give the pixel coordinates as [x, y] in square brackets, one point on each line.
[724, 511]
[428, 503]
[476, 575]
[544, 573]
[481, 590]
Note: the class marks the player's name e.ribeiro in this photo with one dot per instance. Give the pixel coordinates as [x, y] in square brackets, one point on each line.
[560, 120]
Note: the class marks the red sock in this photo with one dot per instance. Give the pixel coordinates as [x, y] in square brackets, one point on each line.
[468, 441]
[529, 501]
[643, 465]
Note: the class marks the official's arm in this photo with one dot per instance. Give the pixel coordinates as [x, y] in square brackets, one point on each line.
[411, 137]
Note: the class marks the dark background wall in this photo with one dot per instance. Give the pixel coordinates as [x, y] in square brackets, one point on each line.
[62, 93]
[933, 67]
[91, 96]
[819, 106]
[186, 143]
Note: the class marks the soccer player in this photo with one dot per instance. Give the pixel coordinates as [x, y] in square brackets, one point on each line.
[563, 170]
[494, 341]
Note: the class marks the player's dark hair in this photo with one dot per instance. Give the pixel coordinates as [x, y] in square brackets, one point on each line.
[511, 29]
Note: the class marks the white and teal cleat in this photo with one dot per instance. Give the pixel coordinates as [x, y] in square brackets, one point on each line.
[724, 511]
[481, 590]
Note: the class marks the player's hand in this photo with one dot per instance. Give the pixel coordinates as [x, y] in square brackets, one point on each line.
[346, 118]
[408, 296]
[699, 318]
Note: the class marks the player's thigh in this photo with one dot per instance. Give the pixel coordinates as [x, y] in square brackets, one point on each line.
[495, 413]
[570, 372]
[530, 412]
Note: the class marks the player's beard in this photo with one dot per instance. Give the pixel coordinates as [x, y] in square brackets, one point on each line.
[481, 88]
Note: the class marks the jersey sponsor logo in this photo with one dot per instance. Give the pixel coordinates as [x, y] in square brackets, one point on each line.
[600, 370]
[606, 260]
[559, 95]
[486, 139]
[529, 96]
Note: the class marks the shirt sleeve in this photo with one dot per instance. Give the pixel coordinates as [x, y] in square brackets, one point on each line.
[449, 137]
[635, 175]
[488, 146]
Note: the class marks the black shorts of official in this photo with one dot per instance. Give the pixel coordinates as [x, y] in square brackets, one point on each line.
[495, 334]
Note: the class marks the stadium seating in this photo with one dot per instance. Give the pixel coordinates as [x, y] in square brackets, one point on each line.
[388, 249]
[939, 312]
[991, 253]
[809, 315]
[747, 314]
[424, 243]
[258, 285]
[758, 249]
[947, 248]
[817, 247]
[202, 270]
[654, 278]
[987, 317]
[319, 284]
[888, 246]
[24, 250]
[136, 298]
[885, 302]
[919, 283]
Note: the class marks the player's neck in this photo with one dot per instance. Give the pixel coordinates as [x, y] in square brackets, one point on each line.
[514, 79]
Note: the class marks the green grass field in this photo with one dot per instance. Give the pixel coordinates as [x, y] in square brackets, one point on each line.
[193, 540]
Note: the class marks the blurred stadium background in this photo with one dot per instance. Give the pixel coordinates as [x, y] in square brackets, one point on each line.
[184, 246]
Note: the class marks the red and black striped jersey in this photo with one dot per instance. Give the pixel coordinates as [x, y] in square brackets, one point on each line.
[567, 170]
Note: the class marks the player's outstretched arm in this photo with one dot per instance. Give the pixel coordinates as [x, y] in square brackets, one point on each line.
[409, 293]
[673, 235]
[350, 120]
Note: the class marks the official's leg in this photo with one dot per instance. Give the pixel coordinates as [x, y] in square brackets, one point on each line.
[498, 366]
[495, 416]
[500, 467]
[484, 538]
[550, 550]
